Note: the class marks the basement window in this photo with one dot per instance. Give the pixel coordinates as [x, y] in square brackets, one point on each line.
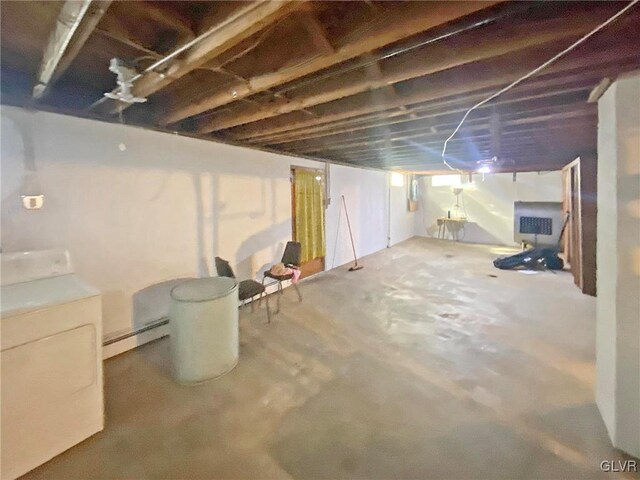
[397, 179]
[446, 181]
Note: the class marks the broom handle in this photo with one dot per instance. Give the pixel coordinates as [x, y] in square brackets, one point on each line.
[355, 258]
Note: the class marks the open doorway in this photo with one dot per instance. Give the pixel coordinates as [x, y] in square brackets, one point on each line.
[307, 207]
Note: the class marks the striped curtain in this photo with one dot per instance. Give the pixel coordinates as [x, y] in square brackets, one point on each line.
[309, 214]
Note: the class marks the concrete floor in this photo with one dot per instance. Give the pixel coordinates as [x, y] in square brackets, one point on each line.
[428, 363]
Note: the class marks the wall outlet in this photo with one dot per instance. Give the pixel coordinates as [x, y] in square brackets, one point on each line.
[32, 202]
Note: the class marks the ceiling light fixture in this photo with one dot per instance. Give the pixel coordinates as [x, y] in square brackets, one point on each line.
[531, 74]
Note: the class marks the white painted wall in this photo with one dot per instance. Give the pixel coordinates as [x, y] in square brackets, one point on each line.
[163, 208]
[606, 260]
[489, 203]
[366, 196]
[618, 260]
[402, 220]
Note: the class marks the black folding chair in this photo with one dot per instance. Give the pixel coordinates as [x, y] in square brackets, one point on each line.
[291, 259]
[247, 289]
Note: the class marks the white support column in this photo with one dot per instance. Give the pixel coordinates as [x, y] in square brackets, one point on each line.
[618, 260]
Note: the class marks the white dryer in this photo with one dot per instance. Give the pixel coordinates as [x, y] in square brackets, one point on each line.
[52, 394]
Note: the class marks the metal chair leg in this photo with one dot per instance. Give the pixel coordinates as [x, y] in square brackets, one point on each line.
[266, 298]
[278, 295]
[295, 285]
[253, 307]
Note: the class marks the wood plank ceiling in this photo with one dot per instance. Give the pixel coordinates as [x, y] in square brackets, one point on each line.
[373, 84]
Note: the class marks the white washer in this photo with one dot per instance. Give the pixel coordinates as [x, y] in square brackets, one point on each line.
[52, 395]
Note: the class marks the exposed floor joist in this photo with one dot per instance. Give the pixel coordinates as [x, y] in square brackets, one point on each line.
[492, 73]
[443, 123]
[226, 32]
[359, 83]
[75, 23]
[441, 56]
[384, 30]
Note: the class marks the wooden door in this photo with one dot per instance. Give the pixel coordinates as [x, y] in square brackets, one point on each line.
[571, 205]
[307, 207]
[580, 233]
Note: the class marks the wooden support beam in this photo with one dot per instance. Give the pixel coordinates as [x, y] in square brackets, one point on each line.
[444, 129]
[166, 18]
[526, 160]
[493, 73]
[406, 20]
[429, 110]
[129, 43]
[479, 138]
[441, 56]
[523, 131]
[523, 163]
[74, 24]
[232, 28]
[481, 150]
[420, 167]
[548, 84]
[316, 31]
[443, 122]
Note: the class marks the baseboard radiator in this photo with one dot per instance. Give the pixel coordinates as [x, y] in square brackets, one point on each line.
[132, 333]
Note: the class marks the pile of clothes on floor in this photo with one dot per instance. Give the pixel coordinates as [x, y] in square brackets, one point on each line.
[532, 259]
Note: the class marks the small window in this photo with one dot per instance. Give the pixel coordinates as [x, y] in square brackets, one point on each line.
[446, 181]
[397, 179]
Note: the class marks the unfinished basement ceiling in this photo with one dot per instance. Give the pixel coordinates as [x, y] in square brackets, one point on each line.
[375, 84]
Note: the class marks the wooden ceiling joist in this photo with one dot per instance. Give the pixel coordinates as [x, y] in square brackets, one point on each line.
[521, 128]
[315, 31]
[129, 43]
[389, 27]
[420, 114]
[377, 84]
[75, 23]
[493, 73]
[548, 85]
[166, 18]
[425, 61]
[444, 131]
[243, 22]
[445, 121]
[512, 157]
[476, 144]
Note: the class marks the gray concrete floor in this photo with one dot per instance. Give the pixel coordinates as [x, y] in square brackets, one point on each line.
[428, 363]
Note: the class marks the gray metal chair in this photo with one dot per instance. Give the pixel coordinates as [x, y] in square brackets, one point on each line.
[247, 289]
[291, 258]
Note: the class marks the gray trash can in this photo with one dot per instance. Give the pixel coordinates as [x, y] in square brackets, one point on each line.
[204, 328]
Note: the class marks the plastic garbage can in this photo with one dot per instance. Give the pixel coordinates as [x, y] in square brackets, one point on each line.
[203, 329]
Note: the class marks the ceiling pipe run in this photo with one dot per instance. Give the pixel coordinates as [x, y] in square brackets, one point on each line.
[183, 48]
[67, 23]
